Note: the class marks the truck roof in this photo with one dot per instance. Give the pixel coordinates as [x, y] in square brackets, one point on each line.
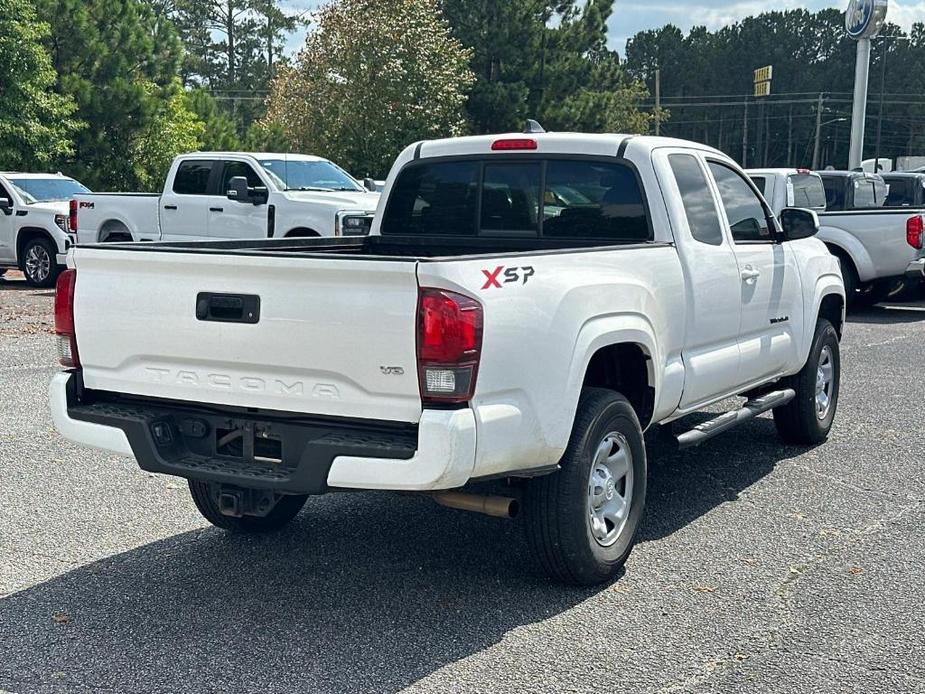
[292, 156]
[553, 143]
[21, 174]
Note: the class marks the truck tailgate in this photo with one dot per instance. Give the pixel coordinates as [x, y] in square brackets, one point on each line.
[334, 337]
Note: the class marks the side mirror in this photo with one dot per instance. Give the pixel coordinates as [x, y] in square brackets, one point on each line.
[6, 206]
[239, 191]
[798, 223]
[369, 184]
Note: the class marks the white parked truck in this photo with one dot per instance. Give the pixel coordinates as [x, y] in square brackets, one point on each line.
[876, 244]
[232, 195]
[525, 307]
[34, 231]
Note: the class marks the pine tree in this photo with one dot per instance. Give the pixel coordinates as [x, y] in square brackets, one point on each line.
[118, 62]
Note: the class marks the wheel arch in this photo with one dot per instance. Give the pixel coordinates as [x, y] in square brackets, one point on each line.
[111, 227]
[619, 352]
[842, 244]
[26, 234]
[300, 232]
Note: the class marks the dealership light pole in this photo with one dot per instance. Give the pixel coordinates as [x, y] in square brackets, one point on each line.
[863, 21]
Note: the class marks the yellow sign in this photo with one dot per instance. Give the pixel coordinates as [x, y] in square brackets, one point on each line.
[764, 74]
[763, 89]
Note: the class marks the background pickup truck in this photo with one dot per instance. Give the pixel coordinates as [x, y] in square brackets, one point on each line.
[34, 232]
[228, 195]
[877, 246]
[524, 308]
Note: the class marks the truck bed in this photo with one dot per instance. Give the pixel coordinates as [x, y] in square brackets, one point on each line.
[398, 248]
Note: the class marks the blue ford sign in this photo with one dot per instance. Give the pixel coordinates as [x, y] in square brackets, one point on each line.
[864, 18]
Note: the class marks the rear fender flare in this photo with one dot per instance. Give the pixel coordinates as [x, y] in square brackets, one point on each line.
[603, 331]
[850, 246]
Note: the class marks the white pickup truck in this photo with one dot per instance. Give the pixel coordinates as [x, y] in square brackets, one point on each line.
[525, 307]
[876, 245]
[232, 195]
[34, 231]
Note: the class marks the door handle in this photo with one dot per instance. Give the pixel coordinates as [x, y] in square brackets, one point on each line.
[750, 275]
[216, 209]
[170, 207]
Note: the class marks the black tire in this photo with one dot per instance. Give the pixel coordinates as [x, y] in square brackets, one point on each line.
[204, 496]
[39, 263]
[557, 507]
[799, 421]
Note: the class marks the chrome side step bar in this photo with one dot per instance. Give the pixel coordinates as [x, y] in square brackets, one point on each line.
[728, 420]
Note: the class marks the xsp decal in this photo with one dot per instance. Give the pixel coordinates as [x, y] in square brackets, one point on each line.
[507, 276]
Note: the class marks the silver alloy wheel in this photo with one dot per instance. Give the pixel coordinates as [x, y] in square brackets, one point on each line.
[610, 489]
[825, 378]
[38, 263]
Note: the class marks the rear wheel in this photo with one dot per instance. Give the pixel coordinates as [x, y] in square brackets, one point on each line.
[38, 262]
[807, 419]
[581, 521]
[206, 497]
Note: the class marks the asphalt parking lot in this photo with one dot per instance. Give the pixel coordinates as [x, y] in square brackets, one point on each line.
[761, 567]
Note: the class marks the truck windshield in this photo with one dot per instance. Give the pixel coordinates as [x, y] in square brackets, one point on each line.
[560, 198]
[300, 174]
[808, 191]
[48, 189]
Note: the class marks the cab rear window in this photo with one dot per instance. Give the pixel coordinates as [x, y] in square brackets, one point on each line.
[561, 198]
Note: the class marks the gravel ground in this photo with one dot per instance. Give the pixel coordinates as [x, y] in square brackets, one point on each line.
[761, 567]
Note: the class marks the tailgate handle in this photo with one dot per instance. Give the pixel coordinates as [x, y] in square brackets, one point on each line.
[228, 308]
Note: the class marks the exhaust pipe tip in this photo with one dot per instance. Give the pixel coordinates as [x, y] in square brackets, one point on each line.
[494, 506]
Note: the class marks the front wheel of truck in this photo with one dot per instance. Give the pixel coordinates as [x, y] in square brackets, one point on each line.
[206, 496]
[807, 419]
[581, 521]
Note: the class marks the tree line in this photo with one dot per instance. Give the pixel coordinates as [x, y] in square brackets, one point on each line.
[706, 79]
[110, 90]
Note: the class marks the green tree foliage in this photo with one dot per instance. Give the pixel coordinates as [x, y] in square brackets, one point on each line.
[219, 132]
[811, 55]
[232, 48]
[371, 79]
[35, 122]
[172, 131]
[545, 60]
[108, 54]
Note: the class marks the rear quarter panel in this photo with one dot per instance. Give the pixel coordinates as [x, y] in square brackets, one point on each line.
[876, 241]
[137, 213]
[542, 329]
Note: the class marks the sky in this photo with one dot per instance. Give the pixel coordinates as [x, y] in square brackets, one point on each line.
[631, 16]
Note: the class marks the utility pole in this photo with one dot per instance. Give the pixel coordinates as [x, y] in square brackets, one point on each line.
[790, 137]
[745, 136]
[819, 107]
[767, 134]
[759, 142]
[658, 101]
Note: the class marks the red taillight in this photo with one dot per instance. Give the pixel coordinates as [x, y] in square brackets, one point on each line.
[72, 216]
[915, 226]
[449, 345]
[64, 319]
[517, 143]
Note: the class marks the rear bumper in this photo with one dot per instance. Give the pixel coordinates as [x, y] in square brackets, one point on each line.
[916, 269]
[310, 455]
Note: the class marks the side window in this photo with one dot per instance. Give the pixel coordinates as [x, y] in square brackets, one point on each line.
[434, 199]
[238, 168]
[702, 217]
[761, 184]
[864, 194]
[193, 177]
[747, 218]
[807, 191]
[593, 200]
